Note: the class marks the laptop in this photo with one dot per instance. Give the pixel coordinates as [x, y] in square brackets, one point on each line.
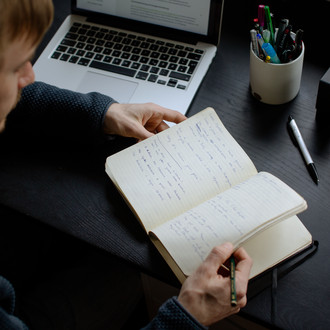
[135, 51]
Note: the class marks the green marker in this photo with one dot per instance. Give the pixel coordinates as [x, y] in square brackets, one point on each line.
[269, 25]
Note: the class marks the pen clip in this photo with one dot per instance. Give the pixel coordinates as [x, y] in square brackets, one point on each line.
[293, 138]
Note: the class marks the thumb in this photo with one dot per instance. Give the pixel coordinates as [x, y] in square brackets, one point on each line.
[140, 132]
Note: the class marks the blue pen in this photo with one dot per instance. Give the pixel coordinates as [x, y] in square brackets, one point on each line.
[270, 51]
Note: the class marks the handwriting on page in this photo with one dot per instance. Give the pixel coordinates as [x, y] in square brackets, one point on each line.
[197, 160]
[230, 216]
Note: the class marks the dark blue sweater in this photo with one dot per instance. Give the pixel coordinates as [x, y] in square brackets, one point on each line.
[45, 109]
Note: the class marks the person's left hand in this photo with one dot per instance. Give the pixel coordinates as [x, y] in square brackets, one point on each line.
[139, 121]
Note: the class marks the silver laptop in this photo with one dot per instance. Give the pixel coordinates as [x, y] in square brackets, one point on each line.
[135, 51]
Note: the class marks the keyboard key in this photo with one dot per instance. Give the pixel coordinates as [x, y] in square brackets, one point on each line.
[64, 57]
[56, 55]
[68, 42]
[73, 59]
[155, 55]
[116, 53]
[144, 60]
[89, 55]
[172, 83]
[90, 33]
[192, 66]
[135, 65]
[182, 68]
[82, 38]
[61, 48]
[180, 76]
[98, 49]
[183, 61]
[145, 68]
[72, 36]
[80, 52]
[116, 61]
[163, 49]
[80, 45]
[113, 68]
[107, 59]
[126, 63]
[83, 61]
[82, 31]
[142, 75]
[172, 66]
[162, 64]
[71, 50]
[153, 78]
[109, 44]
[98, 57]
[91, 40]
[174, 59]
[154, 69]
[164, 72]
[125, 56]
[89, 47]
[135, 58]
[193, 56]
[153, 62]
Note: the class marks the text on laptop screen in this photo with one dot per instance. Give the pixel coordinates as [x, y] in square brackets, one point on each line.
[187, 15]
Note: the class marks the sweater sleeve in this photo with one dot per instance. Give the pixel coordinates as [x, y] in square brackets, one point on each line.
[7, 303]
[171, 316]
[47, 110]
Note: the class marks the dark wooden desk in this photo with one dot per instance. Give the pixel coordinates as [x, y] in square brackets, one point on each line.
[66, 186]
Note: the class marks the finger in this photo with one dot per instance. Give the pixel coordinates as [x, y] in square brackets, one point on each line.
[162, 126]
[218, 256]
[173, 116]
[141, 133]
[244, 262]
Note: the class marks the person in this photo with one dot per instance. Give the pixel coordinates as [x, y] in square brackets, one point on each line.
[43, 109]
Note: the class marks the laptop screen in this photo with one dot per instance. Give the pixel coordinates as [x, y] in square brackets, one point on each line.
[186, 15]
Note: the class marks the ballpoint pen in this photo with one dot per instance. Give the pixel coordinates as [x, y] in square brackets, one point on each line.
[302, 147]
[253, 34]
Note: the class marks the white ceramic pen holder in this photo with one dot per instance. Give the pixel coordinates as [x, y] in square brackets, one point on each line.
[275, 83]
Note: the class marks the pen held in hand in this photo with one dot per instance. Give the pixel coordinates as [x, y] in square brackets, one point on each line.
[233, 297]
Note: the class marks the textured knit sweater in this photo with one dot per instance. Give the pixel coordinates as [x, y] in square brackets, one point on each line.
[47, 110]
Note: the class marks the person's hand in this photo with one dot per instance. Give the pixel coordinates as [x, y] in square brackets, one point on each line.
[139, 120]
[206, 294]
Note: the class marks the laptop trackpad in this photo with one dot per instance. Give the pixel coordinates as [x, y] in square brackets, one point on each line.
[119, 89]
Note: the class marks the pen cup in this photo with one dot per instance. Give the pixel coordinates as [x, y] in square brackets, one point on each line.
[275, 83]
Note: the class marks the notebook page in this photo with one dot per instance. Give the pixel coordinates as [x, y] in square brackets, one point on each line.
[232, 216]
[179, 168]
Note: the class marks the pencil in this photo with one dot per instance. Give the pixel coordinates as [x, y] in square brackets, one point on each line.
[233, 297]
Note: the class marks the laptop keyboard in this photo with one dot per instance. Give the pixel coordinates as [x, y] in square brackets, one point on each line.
[143, 58]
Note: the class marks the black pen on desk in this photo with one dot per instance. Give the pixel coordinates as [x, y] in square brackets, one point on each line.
[302, 147]
[233, 297]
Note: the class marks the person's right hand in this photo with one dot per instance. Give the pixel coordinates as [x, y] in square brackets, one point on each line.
[206, 294]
